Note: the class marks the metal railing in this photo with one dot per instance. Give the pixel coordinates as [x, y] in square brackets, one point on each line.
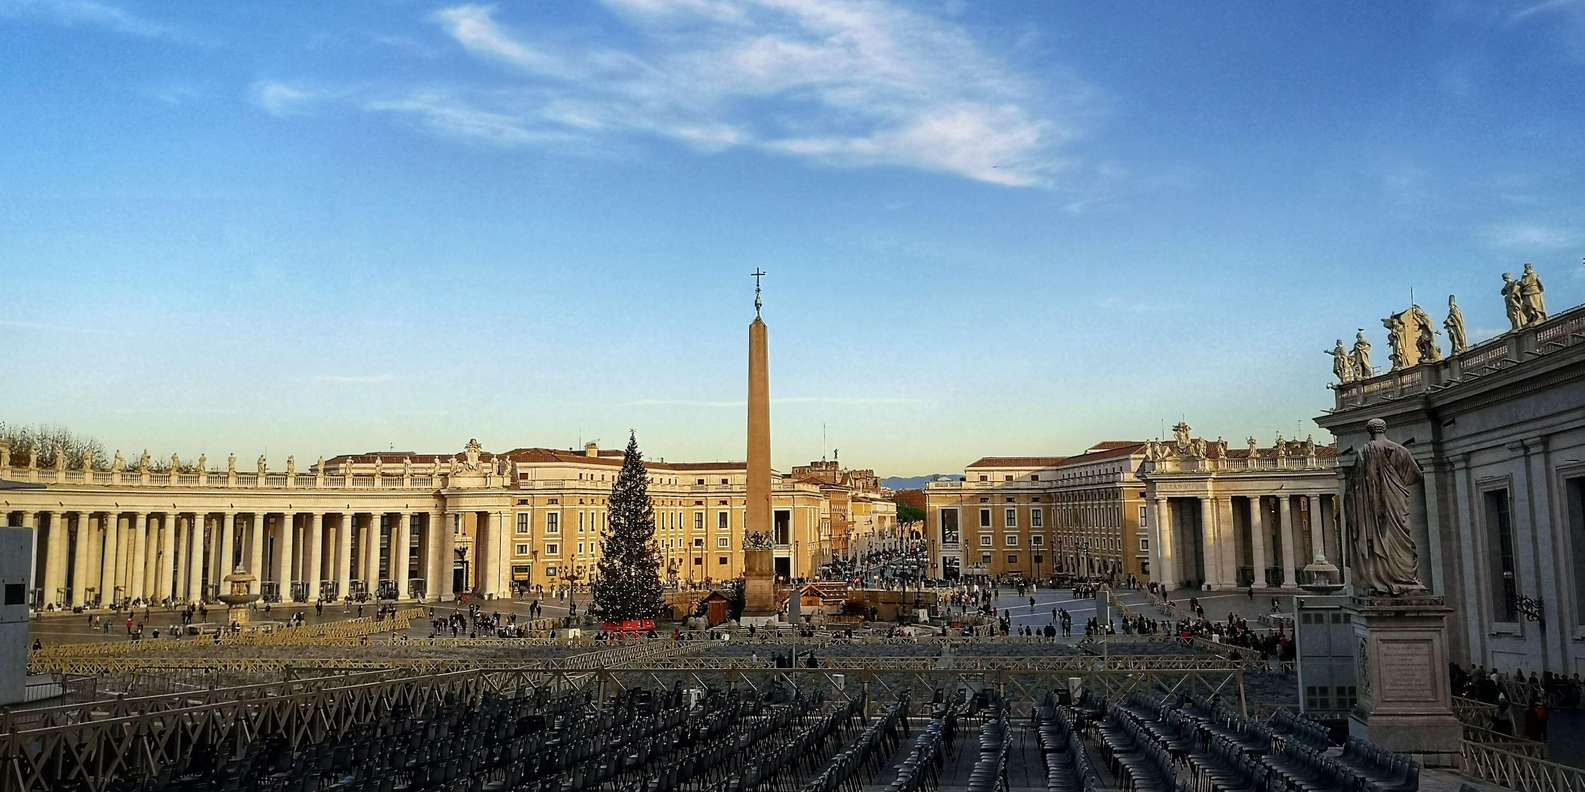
[1517, 771]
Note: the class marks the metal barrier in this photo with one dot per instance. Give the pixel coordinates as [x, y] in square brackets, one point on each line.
[1517, 771]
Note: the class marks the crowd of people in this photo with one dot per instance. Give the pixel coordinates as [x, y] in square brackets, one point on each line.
[1537, 694]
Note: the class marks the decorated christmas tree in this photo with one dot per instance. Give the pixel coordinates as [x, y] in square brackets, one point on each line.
[629, 583]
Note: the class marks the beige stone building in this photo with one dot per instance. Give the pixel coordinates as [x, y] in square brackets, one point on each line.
[1225, 517]
[416, 525]
[1034, 516]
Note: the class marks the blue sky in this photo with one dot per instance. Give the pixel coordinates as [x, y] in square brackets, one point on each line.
[990, 228]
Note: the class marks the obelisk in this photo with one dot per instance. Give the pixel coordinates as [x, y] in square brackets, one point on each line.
[758, 519]
[759, 586]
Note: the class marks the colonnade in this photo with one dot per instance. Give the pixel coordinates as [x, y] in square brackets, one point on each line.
[1227, 541]
[87, 558]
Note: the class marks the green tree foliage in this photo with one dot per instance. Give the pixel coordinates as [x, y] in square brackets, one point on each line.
[629, 583]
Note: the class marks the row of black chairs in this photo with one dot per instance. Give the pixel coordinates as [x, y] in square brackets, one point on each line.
[1138, 759]
[1067, 763]
[920, 770]
[1387, 771]
[1303, 729]
[1292, 756]
[989, 773]
[856, 765]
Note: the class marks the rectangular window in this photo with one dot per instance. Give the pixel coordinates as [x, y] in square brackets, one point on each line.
[552, 549]
[720, 560]
[522, 523]
[698, 543]
[550, 572]
[721, 521]
[1037, 541]
[949, 526]
[1499, 537]
[1142, 513]
[1037, 518]
[698, 521]
[1012, 559]
[723, 542]
[1011, 516]
[1144, 544]
[781, 525]
[985, 558]
[985, 540]
[985, 518]
[1574, 489]
[552, 523]
[522, 549]
[580, 548]
[1010, 540]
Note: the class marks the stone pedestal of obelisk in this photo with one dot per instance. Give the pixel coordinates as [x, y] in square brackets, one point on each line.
[1404, 700]
[759, 590]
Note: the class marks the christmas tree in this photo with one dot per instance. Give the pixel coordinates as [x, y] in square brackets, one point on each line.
[629, 584]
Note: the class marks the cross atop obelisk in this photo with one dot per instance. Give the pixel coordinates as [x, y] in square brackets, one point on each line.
[757, 273]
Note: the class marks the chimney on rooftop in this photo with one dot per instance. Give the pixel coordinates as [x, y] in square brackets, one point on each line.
[591, 449]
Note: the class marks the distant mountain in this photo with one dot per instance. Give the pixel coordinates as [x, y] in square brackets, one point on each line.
[916, 482]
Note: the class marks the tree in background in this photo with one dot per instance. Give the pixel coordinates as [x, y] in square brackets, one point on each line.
[629, 583]
[49, 440]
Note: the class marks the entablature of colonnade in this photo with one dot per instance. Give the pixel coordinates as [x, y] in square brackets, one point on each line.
[193, 500]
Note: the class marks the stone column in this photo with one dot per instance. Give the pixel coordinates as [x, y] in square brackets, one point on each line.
[256, 550]
[284, 549]
[1211, 544]
[228, 549]
[1167, 575]
[195, 557]
[135, 559]
[1227, 531]
[444, 545]
[315, 559]
[96, 551]
[371, 551]
[55, 560]
[1290, 537]
[1317, 545]
[344, 556]
[402, 537]
[167, 557]
[108, 579]
[1258, 531]
[30, 521]
[179, 550]
[80, 561]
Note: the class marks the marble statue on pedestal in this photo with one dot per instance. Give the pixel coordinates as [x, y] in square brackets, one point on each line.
[1397, 340]
[1361, 354]
[1512, 301]
[1424, 336]
[1254, 447]
[1454, 324]
[117, 463]
[203, 463]
[407, 467]
[231, 463]
[60, 458]
[1380, 485]
[176, 463]
[1530, 290]
[1342, 364]
[263, 466]
[291, 465]
[143, 462]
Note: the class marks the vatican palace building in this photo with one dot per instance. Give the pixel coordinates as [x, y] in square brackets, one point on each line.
[406, 525]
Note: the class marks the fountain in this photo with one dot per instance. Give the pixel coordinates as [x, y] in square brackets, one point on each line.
[239, 595]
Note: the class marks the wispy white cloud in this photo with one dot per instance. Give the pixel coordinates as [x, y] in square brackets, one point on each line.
[846, 400]
[86, 13]
[356, 379]
[1522, 235]
[833, 83]
[283, 99]
[1544, 7]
